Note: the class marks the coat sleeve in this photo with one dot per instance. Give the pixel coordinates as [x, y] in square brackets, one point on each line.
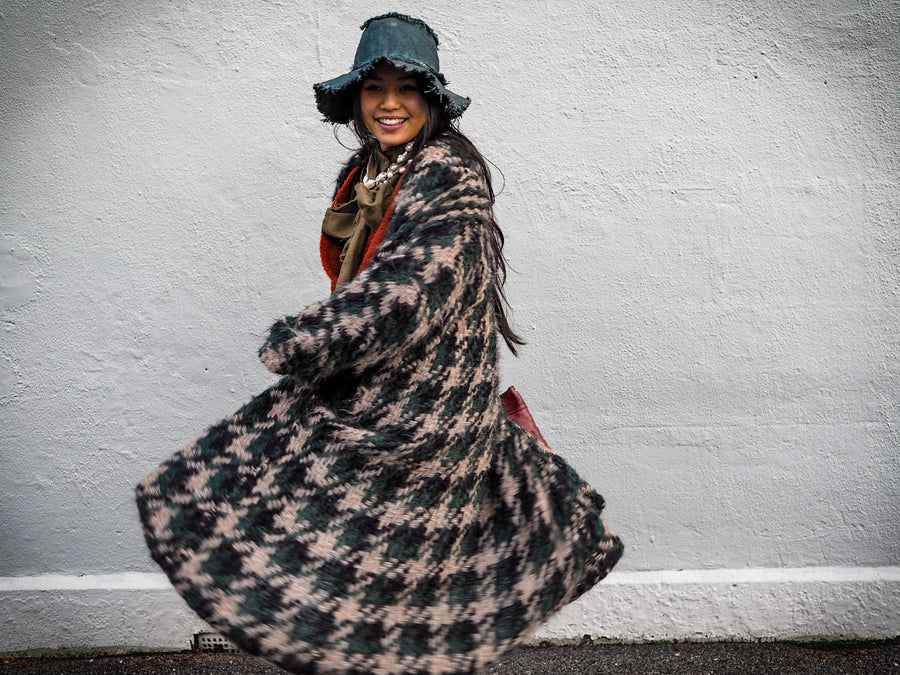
[436, 246]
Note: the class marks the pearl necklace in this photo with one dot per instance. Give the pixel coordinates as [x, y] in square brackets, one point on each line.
[397, 167]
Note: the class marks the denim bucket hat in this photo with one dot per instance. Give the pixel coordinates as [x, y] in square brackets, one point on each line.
[402, 41]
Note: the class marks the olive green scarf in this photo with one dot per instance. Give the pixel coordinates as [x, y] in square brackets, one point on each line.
[353, 221]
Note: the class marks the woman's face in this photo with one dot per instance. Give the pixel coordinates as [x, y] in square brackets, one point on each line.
[393, 106]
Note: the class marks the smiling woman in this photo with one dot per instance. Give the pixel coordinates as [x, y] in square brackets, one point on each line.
[376, 511]
[392, 105]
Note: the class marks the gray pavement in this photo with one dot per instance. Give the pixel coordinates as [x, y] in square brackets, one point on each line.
[870, 658]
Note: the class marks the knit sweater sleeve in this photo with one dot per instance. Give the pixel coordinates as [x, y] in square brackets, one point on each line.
[435, 246]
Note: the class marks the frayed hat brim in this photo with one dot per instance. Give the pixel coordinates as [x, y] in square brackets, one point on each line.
[334, 98]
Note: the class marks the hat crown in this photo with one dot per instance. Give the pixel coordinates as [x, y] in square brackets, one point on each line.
[397, 37]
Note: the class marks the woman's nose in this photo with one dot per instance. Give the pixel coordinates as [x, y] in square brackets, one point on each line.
[390, 100]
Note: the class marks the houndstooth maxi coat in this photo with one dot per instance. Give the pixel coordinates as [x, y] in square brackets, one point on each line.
[375, 511]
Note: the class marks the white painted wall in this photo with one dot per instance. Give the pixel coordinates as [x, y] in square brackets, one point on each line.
[700, 202]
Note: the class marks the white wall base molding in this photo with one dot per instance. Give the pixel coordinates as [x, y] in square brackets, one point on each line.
[142, 611]
[737, 604]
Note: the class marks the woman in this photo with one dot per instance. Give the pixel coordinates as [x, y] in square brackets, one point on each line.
[375, 511]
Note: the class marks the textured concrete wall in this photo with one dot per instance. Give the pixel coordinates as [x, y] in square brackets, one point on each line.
[700, 201]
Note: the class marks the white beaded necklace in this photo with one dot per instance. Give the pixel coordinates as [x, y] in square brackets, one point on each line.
[397, 167]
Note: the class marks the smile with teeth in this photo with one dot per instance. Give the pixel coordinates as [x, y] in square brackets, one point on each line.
[391, 121]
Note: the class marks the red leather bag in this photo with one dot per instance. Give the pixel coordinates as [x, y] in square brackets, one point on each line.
[515, 408]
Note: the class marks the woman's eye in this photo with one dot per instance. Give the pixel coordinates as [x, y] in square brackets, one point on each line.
[370, 87]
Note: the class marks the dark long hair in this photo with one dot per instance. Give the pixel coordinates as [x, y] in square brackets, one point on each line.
[439, 123]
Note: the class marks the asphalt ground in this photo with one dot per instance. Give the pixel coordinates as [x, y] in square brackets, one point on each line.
[769, 658]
